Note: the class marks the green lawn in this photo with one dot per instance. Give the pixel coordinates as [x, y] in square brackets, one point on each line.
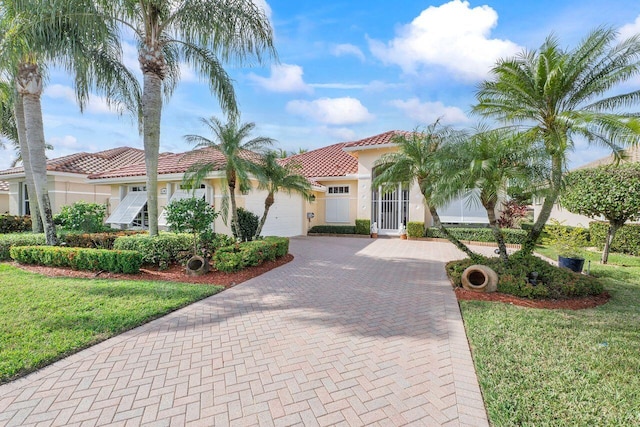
[562, 367]
[44, 319]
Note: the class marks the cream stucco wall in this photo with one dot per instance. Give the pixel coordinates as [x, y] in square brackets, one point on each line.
[564, 216]
[4, 202]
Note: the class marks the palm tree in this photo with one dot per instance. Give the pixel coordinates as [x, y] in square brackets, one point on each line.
[419, 159]
[555, 96]
[69, 34]
[241, 156]
[201, 33]
[483, 167]
[275, 177]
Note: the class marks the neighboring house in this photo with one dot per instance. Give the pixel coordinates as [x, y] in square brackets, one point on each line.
[567, 218]
[67, 179]
[4, 197]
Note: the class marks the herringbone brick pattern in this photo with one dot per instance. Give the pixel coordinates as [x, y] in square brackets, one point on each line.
[352, 332]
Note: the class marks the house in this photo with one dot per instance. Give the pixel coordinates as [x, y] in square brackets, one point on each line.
[341, 175]
[67, 179]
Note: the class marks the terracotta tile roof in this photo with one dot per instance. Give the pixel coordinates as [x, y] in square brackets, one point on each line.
[4, 186]
[326, 162]
[170, 163]
[90, 163]
[381, 139]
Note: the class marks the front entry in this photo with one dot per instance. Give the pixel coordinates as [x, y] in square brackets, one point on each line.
[390, 210]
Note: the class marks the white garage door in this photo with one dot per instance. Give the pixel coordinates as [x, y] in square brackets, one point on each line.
[285, 216]
[464, 210]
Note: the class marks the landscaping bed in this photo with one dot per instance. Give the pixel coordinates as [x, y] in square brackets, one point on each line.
[554, 304]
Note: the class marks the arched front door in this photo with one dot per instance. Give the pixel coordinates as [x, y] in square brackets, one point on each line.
[390, 209]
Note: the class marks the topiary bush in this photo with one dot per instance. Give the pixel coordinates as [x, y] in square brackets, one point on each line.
[626, 240]
[333, 229]
[247, 225]
[161, 250]
[514, 236]
[415, 229]
[247, 254]
[363, 226]
[95, 240]
[14, 224]
[7, 241]
[553, 282]
[82, 216]
[79, 258]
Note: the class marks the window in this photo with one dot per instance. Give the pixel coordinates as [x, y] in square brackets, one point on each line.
[26, 207]
[139, 188]
[132, 210]
[339, 189]
[337, 210]
[190, 187]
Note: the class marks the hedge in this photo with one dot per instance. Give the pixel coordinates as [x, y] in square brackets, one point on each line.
[95, 240]
[626, 240]
[415, 229]
[514, 236]
[333, 229]
[363, 226]
[79, 258]
[161, 250]
[248, 254]
[14, 224]
[19, 239]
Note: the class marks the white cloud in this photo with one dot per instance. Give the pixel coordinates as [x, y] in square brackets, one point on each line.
[95, 104]
[631, 29]
[348, 49]
[331, 111]
[338, 85]
[264, 6]
[454, 36]
[65, 142]
[284, 78]
[429, 112]
[341, 133]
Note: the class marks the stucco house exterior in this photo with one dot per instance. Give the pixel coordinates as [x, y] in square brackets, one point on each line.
[67, 179]
[4, 197]
[341, 175]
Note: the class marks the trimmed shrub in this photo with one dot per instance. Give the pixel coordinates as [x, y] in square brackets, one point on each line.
[161, 250]
[626, 240]
[415, 229]
[247, 225]
[248, 254]
[7, 241]
[95, 240]
[552, 282]
[14, 224]
[333, 229]
[82, 216]
[79, 258]
[515, 236]
[210, 242]
[363, 226]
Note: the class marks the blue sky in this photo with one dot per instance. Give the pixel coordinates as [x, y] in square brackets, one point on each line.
[348, 70]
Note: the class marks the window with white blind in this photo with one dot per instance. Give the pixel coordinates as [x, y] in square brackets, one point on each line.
[337, 210]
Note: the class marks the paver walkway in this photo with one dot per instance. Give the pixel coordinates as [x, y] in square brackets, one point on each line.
[352, 332]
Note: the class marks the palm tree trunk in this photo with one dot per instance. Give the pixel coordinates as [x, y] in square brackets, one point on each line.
[30, 89]
[235, 226]
[449, 236]
[611, 233]
[547, 206]
[497, 233]
[268, 202]
[18, 110]
[151, 115]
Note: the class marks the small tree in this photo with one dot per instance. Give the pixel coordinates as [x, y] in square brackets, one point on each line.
[193, 215]
[611, 191]
[82, 216]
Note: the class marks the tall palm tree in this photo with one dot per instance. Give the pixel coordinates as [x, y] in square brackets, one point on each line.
[555, 96]
[67, 33]
[419, 158]
[241, 155]
[201, 33]
[275, 177]
[483, 167]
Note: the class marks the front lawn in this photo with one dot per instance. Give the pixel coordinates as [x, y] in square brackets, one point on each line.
[44, 319]
[561, 367]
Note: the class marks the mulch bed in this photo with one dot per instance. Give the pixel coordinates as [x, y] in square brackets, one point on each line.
[175, 273]
[565, 304]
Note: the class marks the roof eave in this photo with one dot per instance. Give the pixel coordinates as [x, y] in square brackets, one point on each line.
[369, 147]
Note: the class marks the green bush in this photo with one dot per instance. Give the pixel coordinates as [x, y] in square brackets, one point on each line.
[627, 239]
[415, 229]
[515, 236]
[14, 224]
[210, 242]
[247, 225]
[553, 282]
[363, 226]
[95, 240]
[79, 258]
[192, 215]
[82, 216]
[19, 239]
[247, 254]
[161, 250]
[333, 229]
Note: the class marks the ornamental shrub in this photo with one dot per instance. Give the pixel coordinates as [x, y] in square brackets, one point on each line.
[95, 240]
[247, 225]
[333, 229]
[247, 254]
[161, 250]
[14, 224]
[79, 258]
[82, 216]
[415, 229]
[19, 239]
[193, 215]
[515, 236]
[363, 226]
[626, 240]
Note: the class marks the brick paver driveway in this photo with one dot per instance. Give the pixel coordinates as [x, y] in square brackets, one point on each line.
[352, 332]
